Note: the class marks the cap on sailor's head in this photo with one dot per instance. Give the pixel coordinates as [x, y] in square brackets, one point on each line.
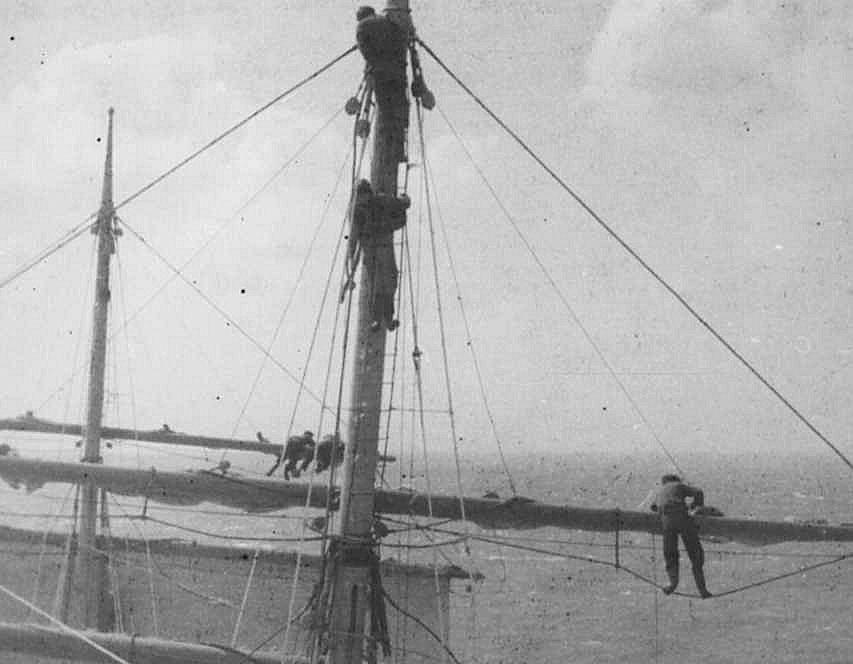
[309, 434]
[364, 11]
[666, 479]
[363, 186]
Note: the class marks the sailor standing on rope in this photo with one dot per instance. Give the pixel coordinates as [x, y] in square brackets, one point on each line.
[677, 520]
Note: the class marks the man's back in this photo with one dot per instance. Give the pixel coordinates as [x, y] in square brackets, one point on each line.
[670, 498]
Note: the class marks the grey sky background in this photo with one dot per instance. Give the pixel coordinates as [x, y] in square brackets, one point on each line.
[714, 136]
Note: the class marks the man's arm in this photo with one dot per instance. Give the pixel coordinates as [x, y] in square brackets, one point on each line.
[697, 495]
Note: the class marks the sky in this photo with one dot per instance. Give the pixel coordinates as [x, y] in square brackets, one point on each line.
[714, 136]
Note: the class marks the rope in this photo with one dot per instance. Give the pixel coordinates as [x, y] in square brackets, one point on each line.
[60, 600]
[43, 548]
[81, 228]
[655, 598]
[228, 221]
[189, 282]
[73, 632]
[657, 277]
[292, 293]
[207, 533]
[469, 342]
[321, 306]
[419, 391]
[149, 561]
[552, 282]
[313, 475]
[637, 575]
[441, 325]
[245, 600]
[440, 639]
[66, 239]
[444, 354]
[234, 128]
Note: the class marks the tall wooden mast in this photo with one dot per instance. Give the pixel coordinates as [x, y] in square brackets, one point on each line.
[92, 575]
[349, 620]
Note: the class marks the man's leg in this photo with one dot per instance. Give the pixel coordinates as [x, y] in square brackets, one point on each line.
[690, 535]
[670, 556]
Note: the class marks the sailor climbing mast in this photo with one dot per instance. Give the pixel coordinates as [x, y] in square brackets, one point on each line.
[355, 619]
[92, 578]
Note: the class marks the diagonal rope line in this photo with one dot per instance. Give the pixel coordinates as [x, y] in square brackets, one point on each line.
[441, 323]
[257, 344]
[609, 563]
[657, 277]
[575, 318]
[469, 336]
[62, 242]
[222, 226]
[73, 632]
[234, 128]
[78, 230]
[284, 313]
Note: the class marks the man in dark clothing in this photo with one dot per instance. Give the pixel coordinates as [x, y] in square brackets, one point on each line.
[382, 43]
[375, 217]
[298, 450]
[676, 520]
[330, 445]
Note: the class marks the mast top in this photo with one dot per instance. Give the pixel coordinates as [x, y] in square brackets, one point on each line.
[107, 191]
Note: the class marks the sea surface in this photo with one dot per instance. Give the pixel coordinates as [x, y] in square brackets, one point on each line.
[552, 595]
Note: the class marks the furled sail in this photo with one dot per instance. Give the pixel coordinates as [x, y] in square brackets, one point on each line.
[34, 424]
[264, 495]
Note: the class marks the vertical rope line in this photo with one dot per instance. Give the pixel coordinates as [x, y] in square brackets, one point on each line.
[422, 422]
[646, 266]
[65, 569]
[112, 568]
[655, 597]
[245, 600]
[553, 284]
[444, 354]
[358, 160]
[469, 336]
[127, 552]
[47, 531]
[131, 385]
[312, 474]
[63, 626]
[265, 359]
[152, 592]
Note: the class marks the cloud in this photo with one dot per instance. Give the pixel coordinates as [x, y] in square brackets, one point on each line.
[719, 57]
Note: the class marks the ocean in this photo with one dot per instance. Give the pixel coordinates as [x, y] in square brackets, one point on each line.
[539, 598]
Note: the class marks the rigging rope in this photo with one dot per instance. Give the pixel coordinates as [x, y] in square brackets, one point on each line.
[56, 516]
[552, 282]
[234, 216]
[71, 235]
[73, 632]
[470, 342]
[441, 324]
[234, 128]
[81, 228]
[245, 600]
[357, 162]
[609, 563]
[657, 277]
[189, 282]
[443, 335]
[313, 475]
[290, 298]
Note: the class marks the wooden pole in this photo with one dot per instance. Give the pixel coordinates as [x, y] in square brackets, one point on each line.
[91, 577]
[354, 552]
[18, 639]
